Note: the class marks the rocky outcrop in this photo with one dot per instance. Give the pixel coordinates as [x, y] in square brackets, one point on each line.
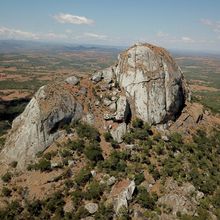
[152, 82]
[91, 207]
[123, 109]
[37, 127]
[189, 119]
[118, 132]
[122, 193]
[182, 199]
[144, 83]
[73, 80]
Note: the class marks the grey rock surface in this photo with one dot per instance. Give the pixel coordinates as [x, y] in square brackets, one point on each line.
[91, 207]
[37, 127]
[118, 132]
[73, 80]
[96, 77]
[153, 83]
[123, 109]
[124, 195]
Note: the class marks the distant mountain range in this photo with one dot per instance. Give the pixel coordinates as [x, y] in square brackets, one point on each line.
[19, 46]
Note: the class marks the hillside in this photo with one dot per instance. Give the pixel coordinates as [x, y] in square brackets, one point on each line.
[126, 143]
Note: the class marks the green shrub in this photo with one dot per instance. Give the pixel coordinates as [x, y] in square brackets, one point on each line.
[156, 174]
[81, 213]
[137, 123]
[129, 138]
[145, 199]
[49, 155]
[54, 202]
[139, 178]
[76, 145]
[83, 177]
[87, 131]
[93, 152]
[7, 177]
[108, 137]
[94, 191]
[140, 134]
[104, 212]
[12, 211]
[77, 197]
[43, 165]
[66, 153]
[35, 208]
[6, 192]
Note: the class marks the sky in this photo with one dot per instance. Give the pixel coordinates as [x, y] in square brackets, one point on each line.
[173, 24]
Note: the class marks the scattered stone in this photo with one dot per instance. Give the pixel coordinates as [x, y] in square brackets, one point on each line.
[139, 215]
[96, 77]
[118, 132]
[91, 207]
[108, 75]
[73, 80]
[113, 98]
[89, 119]
[83, 91]
[123, 109]
[71, 163]
[112, 106]
[107, 102]
[88, 218]
[165, 138]
[97, 103]
[130, 146]
[54, 165]
[93, 172]
[108, 117]
[111, 181]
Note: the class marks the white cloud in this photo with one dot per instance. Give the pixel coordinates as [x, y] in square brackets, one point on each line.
[214, 25]
[72, 19]
[96, 36]
[11, 33]
[162, 34]
[15, 33]
[187, 39]
[165, 37]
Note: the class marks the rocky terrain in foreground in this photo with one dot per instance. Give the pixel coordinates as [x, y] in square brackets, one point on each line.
[127, 143]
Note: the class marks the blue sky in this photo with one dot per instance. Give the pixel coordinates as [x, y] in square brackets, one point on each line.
[180, 24]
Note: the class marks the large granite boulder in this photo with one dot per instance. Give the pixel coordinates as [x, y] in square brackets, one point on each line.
[122, 193]
[152, 81]
[37, 127]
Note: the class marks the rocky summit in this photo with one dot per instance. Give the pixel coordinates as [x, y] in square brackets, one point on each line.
[144, 83]
[152, 81]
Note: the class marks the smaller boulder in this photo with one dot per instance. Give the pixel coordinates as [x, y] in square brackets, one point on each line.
[123, 109]
[111, 181]
[91, 207]
[122, 192]
[119, 132]
[96, 77]
[107, 102]
[108, 75]
[73, 80]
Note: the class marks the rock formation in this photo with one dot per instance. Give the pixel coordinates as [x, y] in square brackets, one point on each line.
[37, 127]
[145, 83]
[152, 81]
